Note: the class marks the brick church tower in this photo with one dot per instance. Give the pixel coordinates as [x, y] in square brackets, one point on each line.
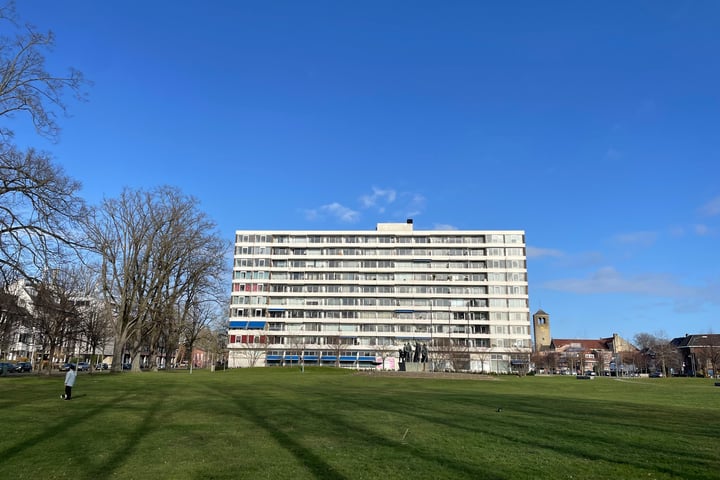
[541, 330]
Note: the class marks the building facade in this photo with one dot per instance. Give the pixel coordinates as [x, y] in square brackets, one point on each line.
[357, 298]
[604, 356]
[699, 354]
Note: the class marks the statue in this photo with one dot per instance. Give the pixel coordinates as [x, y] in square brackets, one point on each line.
[424, 353]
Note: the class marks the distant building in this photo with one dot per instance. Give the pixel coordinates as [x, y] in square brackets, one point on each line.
[611, 354]
[356, 298]
[700, 353]
[541, 330]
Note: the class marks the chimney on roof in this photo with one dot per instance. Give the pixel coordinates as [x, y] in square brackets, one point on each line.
[409, 221]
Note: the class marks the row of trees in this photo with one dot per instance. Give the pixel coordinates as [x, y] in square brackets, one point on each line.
[144, 269]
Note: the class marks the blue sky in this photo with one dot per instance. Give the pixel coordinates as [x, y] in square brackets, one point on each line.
[593, 126]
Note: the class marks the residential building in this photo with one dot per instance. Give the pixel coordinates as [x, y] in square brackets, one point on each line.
[356, 298]
[605, 355]
[28, 340]
[700, 353]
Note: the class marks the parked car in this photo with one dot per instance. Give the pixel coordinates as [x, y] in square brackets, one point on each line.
[102, 366]
[6, 367]
[127, 366]
[66, 366]
[21, 367]
[83, 367]
[656, 375]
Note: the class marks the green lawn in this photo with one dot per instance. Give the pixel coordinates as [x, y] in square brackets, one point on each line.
[331, 424]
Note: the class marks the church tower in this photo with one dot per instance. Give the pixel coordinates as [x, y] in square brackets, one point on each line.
[541, 330]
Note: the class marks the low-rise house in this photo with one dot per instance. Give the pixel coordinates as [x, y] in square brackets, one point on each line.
[700, 354]
[604, 355]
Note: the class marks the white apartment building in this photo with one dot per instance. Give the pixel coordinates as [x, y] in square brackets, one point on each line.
[355, 299]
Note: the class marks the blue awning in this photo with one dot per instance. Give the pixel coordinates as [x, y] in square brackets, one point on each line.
[310, 358]
[328, 358]
[292, 358]
[347, 358]
[366, 359]
[404, 311]
[276, 309]
[273, 358]
[245, 325]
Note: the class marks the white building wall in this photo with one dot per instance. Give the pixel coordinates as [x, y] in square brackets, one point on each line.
[297, 295]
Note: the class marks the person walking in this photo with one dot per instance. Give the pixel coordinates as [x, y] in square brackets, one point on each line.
[69, 382]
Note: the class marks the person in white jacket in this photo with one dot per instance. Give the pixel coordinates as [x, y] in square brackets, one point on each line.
[69, 382]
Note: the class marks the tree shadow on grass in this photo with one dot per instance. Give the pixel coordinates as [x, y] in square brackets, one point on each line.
[360, 434]
[570, 424]
[132, 440]
[57, 430]
[313, 462]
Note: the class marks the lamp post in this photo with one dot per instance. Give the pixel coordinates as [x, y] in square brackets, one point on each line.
[431, 333]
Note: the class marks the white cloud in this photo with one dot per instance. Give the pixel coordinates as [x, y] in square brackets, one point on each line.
[341, 212]
[404, 205]
[701, 229]
[415, 204]
[677, 231]
[711, 208]
[644, 239]
[335, 209]
[537, 252]
[609, 280]
[378, 195]
[444, 226]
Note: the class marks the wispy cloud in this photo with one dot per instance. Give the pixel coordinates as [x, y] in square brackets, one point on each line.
[711, 208]
[644, 239]
[701, 229]
[380, 198]
[537, 252]
[613, 154]
[413, 204]
[609, 280]
[335, 210]
[444, 226]
[404, 205]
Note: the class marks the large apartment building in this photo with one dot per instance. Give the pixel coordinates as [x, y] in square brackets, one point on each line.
[357, 298]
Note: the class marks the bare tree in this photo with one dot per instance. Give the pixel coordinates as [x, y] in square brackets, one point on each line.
[158, 253]
[216, 342]
[297, 347]
[452, 354]
[39, 206]
[196, 320]
[55, 314]
[13, 315]
[659, 353]
[26, 86]
[40, 214]
[254, 348]
[338, 345]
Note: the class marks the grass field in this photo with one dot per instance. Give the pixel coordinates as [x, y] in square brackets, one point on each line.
[332, 424]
